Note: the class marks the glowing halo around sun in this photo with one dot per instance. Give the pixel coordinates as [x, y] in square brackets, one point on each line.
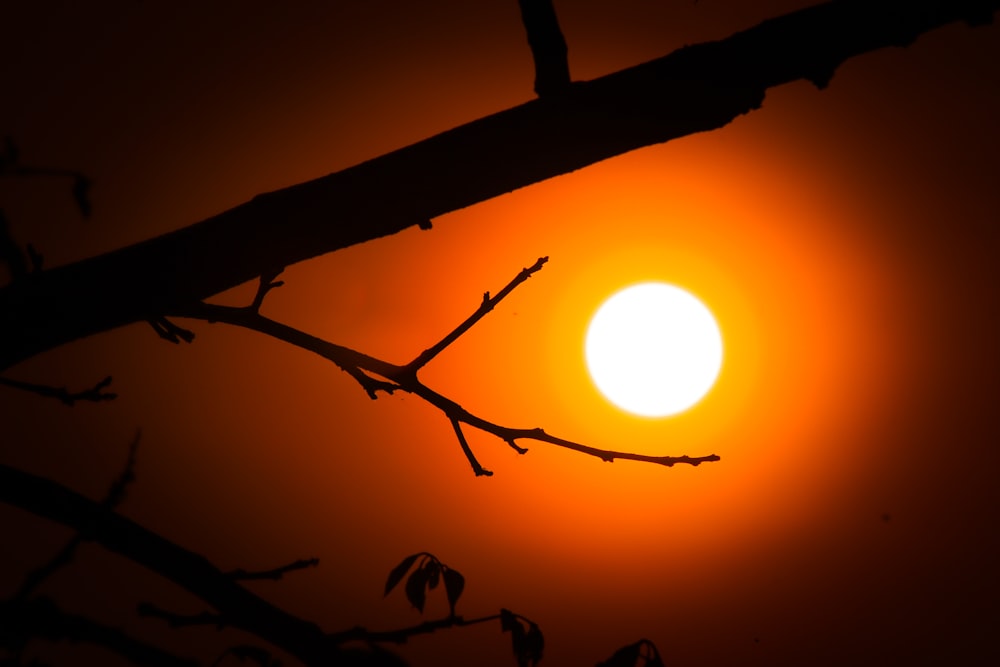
[653, 349]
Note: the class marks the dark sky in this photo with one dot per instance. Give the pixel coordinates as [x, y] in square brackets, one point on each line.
[846, 240]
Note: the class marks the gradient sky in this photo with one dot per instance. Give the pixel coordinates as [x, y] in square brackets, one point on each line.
[846, 240]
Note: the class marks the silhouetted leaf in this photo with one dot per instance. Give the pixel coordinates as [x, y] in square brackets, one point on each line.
[534, 644]
[433, 568]
[517, 642]
[81, 194]
[454, 584]
[626, 656]
[508, 621]
[629, 656]
[525, 638]
[416, 588]
[397, 573]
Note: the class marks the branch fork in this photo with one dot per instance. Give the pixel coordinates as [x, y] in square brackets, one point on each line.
[375, 375]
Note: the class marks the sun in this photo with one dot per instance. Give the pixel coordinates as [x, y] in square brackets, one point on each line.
[653, 349]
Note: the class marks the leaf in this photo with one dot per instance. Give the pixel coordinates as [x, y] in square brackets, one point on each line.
[433, 568]
[517, 642]
[454, 584]
[626, 656]
[397, 573]
[416, 589]
[508, 621]
[528, 644]
[81, 194]
[534, 644]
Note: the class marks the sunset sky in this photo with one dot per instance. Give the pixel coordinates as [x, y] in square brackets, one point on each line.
[845, 239]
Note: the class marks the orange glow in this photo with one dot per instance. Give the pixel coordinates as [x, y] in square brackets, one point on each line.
[844, 239]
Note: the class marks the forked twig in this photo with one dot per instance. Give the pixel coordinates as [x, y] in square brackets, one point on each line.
[376, 375]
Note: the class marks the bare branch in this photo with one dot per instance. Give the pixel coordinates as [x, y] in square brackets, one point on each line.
[403, 634]
[266, 284]
[114, 497]
[22, 620]
[192, 572]
[476, 468]
[485, 307]
[695, 89]
[94, 394]
[276, 573]
[404, 378]
[548, 46]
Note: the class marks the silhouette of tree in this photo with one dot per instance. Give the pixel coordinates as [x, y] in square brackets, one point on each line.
[572, 124]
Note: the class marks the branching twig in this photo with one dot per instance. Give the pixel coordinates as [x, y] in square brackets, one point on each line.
[266, 284]
[114, 497]
[95, 394]
[276, 573]
[363, 367]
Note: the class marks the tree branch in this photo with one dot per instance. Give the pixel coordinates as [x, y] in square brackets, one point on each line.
[694, 89]
[548, 47]
[114, 497]
[22, 620]
[240, 608]
[404, 378]
[275, 574]
[401, 635]
[95, 394]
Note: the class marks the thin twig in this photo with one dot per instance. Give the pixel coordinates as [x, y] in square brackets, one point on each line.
[94, 394]
[485, 307]
[476, 468]
[275, 574]
[403, 634]
[266, 284]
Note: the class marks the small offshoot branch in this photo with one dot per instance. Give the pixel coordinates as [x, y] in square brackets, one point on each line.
[375, 375]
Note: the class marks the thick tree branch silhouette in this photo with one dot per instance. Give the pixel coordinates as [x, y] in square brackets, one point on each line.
[694, 89]
[570, 126]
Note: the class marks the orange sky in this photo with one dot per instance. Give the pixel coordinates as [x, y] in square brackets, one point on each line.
[845, 239]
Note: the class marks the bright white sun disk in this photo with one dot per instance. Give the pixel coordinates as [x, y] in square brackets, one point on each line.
[653, 349]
